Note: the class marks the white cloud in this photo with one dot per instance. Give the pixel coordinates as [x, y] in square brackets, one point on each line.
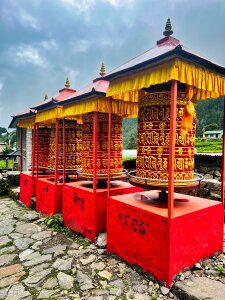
[28, 54]
[1, 88]
[27, 20]
[49, 44]
[85, 5]
[80, 46]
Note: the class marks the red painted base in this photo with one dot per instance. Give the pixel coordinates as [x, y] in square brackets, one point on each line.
[140, 232]
[85, 212]
[48, 196]
[28, 187]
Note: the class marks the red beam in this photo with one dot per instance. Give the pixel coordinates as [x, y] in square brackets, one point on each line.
[173, 107]
[21, 149]
[95, 141]
[109, 144]
[56, 150]
[64, 151]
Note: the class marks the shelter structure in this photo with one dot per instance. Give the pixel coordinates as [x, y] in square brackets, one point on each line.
[85, 201]
[64, 151]
[160, 229]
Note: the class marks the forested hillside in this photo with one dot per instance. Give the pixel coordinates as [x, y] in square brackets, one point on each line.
[209, 116]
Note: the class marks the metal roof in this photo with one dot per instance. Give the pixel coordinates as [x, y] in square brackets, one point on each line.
[165, 48]
[213, 132]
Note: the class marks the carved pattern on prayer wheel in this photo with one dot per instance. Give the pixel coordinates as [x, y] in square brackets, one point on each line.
[154, 136]
[43, 148]
[73, 144]
[102, 146]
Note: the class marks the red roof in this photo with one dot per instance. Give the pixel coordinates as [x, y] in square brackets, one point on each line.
[164, 47]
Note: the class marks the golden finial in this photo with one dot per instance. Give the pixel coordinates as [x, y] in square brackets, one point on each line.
[102, 72]
[67, 85]
[168, 29]
[46, 97]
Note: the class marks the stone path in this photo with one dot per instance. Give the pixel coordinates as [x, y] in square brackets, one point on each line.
[38, 263]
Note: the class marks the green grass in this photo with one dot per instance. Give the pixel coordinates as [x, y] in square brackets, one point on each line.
[203, 145]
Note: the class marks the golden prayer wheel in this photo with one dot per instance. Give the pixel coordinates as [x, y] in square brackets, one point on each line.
[43, 148]
[154, 136]
[102, 146]
[73, 145]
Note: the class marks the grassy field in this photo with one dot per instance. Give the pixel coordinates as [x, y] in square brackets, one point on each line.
[208, 145]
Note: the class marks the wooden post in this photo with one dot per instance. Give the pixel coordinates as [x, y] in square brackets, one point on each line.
[173, 107]
[109, 144]
[64, 151]
[37, 152]
[56, 150]
[223, 158]
[21, 149]
[95, 141]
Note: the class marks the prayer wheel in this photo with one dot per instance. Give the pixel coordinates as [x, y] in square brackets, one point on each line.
[73, 145]
[102, 146]
[154, 136]
[43, 148]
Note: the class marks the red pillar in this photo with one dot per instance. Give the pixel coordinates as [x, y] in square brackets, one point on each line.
[56, 150]
[21, 149]
[64, 151]
[223, 159]
[95, 141]
[37, 152]
[173, 107]
[33, 151]
[109, 144]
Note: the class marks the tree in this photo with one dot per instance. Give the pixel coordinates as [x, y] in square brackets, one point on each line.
[212, 126]
[6, 151]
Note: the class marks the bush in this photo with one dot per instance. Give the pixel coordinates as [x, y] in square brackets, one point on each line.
[4, 188]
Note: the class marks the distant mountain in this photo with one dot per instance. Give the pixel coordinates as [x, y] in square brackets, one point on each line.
[208, 112]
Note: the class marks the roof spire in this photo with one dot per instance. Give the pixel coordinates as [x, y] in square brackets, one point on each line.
[168, 29]
[102, 72]
[46, 97]
[67, 84]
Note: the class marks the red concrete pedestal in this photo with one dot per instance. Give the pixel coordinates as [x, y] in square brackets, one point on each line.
[140, 232]
[48, 196]
[84, 212]
[28, 186]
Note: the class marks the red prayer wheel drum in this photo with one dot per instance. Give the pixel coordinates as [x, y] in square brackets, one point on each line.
[73, 144]
[43, 148]
[154, 137]
[102, 146]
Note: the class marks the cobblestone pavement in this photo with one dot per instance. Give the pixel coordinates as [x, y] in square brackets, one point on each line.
[38, 263]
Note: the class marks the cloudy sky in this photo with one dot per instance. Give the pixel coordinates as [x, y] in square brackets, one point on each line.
[44, 41]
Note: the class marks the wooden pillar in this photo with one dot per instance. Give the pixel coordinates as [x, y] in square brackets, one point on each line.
[109, 144]
[21, 149]
[95, 141]
[173, 107]
[56, 150]
[37, 150]
[64, 151]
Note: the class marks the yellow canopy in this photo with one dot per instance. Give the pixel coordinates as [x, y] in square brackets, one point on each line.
[100, 104]
[26, 122]
[208, 84]
[49, 115]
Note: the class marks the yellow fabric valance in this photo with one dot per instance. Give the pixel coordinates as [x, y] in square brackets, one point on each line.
[26, 122]
[207, 83]
[121, 108]
[49, 115]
